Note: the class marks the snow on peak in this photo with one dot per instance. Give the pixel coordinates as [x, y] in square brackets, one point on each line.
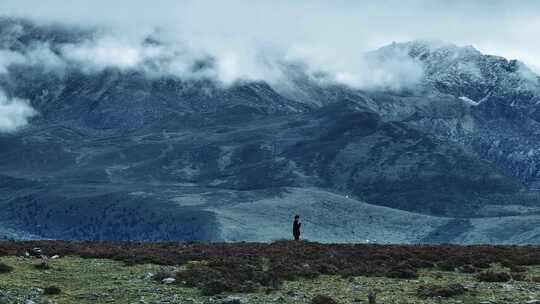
[463, 71]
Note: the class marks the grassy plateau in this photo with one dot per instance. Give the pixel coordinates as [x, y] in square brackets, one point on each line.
[279, 272]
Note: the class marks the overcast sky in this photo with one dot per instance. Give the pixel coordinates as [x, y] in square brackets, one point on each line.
[333, 28]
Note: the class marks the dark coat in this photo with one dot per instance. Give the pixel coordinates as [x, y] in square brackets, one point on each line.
[296, 227]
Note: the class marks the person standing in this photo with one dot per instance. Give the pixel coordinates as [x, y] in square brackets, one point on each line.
[296, 227]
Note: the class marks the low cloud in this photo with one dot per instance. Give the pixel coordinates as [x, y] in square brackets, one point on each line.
[107, 52]
[370, 71]
[35, 55]
[14, 113]
[159, 55]
[8, 58]
[255, 40]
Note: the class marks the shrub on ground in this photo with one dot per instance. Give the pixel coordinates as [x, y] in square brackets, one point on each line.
[5, 268]
[321, 299]
[518, 276]
[468, 269]
[445, 291]
[52, 290]
[517, 268]
[490, 276]
[403, 271]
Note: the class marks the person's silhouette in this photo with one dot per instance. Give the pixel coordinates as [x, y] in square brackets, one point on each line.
[296, 228]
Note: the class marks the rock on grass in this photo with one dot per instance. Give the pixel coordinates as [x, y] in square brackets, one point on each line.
[160, 276]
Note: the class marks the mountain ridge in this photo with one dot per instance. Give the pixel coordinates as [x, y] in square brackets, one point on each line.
[170, 158]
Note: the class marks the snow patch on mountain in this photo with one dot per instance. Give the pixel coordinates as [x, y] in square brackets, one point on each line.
[469, 101]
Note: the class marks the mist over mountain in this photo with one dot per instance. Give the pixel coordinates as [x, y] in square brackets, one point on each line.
[148, 137]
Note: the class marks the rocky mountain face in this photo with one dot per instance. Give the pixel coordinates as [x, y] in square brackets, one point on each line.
[117, 154]
[498, 119]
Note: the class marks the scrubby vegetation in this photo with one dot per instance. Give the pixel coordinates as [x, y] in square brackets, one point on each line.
[244, 267]
[269, 270]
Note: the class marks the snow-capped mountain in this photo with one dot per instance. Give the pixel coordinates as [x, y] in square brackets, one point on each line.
[466, 72]
[498, 117]
[120, 153]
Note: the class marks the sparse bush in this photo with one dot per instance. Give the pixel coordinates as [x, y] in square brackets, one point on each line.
[52, 290]
[445, 291]
[535, 279]
[447, 266]
[248, 286]
[482, 264]
[197, 275]
[468, 269]
[268, 279]
[490, 276]
[528, 259]
[418, 263]
[308, 272]
[4, 268]
[507, 263]
[355, 271]
[286, 272]
[215, 287]
[516, 268]
[320, 299]
[402, 272]
[518, 276]
[329, 269]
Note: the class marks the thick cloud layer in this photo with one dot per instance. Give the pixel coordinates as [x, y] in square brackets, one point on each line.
[245, 37]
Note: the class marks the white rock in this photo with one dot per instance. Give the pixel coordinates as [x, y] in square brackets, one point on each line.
[148, 275]
[168, 280]
[232, 300]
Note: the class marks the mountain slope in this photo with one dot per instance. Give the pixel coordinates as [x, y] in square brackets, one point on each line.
[119, 154]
